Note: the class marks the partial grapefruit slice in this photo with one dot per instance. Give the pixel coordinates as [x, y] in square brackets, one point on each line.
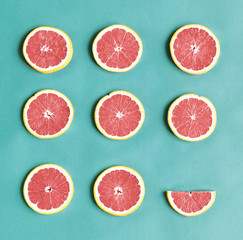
[48, 189]
[119, 115]
[191, 203]
[192, 118]
[47, 49]
[117, 48]
[194, 49]
[48, 114]
[119, 190]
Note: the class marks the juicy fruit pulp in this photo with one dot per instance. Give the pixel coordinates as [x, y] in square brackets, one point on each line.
[119, 190]
[194, 49]
[48, 114]
[47, 49]
[117, 48]
[119, 115]
[191, 117]
[191, 203]
[48, 189]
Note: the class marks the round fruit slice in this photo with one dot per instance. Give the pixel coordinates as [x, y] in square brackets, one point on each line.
[119, 115]
[194, 49]
[117, 48]
[191, 203]
[119, 190]
[48, 189]
[47, 49]
[48, 114]
[192, 118]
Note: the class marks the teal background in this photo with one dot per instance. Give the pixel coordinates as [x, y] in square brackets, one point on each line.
[164, 161]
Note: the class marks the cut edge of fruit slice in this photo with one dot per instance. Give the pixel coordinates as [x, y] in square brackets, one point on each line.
[26, 107]
[190, 71]
[205, 208]
[214, 117]
[108, 210]
[99, 104]
[63, 63]
[30, 175]
[99, 36]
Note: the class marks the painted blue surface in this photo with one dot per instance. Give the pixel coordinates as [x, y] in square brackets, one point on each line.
[164, 161]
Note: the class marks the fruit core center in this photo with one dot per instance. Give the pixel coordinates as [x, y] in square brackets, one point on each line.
[118, 191]
[119, 115]
[48, 189]
[118, 49]
[48, 114]
[193, 117]
[45, 48]
[194, 48]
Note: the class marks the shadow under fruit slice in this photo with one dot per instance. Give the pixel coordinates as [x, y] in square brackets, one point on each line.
[192, 118]
[48, 114]
[47, 49]
[119, 115]
[48, 189]
[117, 48]
[194, 49]
[119, 190]
[191, 203]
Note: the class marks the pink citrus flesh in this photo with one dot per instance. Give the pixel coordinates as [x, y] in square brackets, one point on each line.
[119, 190]
[191, 203]
[195, 49]
[191, 117]
[117, 48]
[48, 114]
[48, 189]
[119, 115]
[47, 49]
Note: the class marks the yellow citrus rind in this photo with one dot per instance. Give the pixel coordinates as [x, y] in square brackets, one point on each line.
[176, 102]
[96, 195]
[27, 107]
[54, 69]
[25, 191]
[99, 104]
[105, 30]
[178, 63]
[170, 200]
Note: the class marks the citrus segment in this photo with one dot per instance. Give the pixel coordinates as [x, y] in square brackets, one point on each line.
[119, 115]
[191, 203]
[192, 118]
[48, 189]
[117, 48]
[119, 190]
[48, 114]
[47, 49]
[194, 49]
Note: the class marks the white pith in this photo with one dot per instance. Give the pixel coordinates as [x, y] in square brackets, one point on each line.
[45, 48]
[47, 111]
[171, 201]
[188, 96]
[119, 114]
[99, 36]
[28, 179]
[210, 33]
[109, 210]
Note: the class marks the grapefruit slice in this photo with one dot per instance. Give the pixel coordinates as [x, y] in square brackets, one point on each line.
[48, 189]
[119, 115]
[191, 203]
[48, 114]
[47, 49]
[117, 48]
[192, 118]
[119, 190]
[194, 49]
